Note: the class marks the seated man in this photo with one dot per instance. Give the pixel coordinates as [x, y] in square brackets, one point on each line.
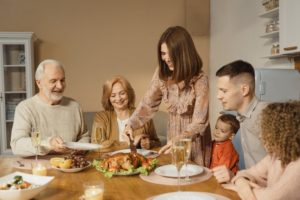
[59, 119]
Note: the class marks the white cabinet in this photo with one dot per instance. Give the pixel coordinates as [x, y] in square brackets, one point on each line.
[16, 79]
[288, 34]
[289, 26]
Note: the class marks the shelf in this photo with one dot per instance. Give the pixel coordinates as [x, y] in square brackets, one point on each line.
[275, 56]
[19, 65]
[15, 92]
[271, 35]
[271, 13]
[9, 121]
[291, 55]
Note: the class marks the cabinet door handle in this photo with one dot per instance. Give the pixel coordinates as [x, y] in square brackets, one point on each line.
[290, 48]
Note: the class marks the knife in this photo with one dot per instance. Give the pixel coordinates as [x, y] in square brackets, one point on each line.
[131, 144]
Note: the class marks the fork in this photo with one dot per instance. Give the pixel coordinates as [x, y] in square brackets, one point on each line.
[132, 146]
[20, 163]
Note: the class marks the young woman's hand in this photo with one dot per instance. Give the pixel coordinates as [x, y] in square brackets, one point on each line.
[222, 174]
[166, 149]
[244, 189]
[128, 131]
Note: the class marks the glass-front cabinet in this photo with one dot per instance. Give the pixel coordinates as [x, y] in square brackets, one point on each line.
[16, 79]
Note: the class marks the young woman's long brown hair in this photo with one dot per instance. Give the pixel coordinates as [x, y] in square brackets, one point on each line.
[185, 58]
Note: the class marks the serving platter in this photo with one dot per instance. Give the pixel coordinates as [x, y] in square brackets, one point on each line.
[144, 152]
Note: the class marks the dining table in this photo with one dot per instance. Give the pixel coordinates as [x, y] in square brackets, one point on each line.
[132, 187]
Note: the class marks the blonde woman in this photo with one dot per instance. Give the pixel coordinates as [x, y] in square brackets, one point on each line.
[118, 101]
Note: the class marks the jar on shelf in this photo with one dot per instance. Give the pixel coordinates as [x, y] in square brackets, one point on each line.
[270, 4]
[273, 4]
[275, 49]
[270, 27]
[276, 25]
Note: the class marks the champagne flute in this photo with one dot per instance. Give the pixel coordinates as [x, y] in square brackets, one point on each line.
[36, 140]
[99, 137]
[178, 157]
[187, 143]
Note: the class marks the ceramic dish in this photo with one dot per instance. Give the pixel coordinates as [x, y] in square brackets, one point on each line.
[72, 170]
[171, 171]
[82, 146]
[40, 183]
[184, 196]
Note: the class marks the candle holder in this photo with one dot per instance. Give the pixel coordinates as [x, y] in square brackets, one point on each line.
[93, 190]
[39, 169]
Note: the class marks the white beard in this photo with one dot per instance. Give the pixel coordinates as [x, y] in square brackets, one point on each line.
[52, 96]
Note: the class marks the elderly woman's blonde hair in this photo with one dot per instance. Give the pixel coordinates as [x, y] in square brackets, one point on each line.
[281, 130]
[107, 89]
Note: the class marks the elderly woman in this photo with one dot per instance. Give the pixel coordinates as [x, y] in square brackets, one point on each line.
[118, 101]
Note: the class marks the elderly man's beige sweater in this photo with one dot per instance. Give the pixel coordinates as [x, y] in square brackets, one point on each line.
[64, 120]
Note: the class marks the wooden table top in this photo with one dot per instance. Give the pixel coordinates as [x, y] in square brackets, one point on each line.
[70, 185]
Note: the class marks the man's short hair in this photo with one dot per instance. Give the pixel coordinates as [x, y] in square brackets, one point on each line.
[240, 71]
[41, 67]
[236, 68]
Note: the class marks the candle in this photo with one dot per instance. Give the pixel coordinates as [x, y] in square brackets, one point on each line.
[93, 194]
[93, 190]
[39, 169]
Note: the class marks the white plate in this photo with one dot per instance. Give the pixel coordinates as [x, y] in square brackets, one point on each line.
[171, 171]
[41, 181]
[71, 170]
[184, 196]
[82, 146]
[144, 152]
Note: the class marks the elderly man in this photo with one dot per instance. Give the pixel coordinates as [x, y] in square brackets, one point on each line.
[236, 91]
[58, 118]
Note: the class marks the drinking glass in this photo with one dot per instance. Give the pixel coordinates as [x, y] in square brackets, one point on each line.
[99, 137]
[178, 156]
[39, 168]
[93, 190]
[36, 140]
[187, 143]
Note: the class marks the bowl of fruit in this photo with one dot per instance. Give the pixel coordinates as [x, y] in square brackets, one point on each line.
[70, 163]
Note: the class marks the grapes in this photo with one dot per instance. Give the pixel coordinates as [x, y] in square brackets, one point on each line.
[78, 161]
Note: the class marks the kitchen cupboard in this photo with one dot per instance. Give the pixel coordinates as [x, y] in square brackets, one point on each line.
[16, 79]
[290, 30]
[282, 30]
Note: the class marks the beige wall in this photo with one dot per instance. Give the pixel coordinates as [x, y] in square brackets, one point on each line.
[97, 39]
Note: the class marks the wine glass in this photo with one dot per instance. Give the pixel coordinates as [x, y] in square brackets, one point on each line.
[178, 157]
[36, 140]
[187, 143]
[99, 137]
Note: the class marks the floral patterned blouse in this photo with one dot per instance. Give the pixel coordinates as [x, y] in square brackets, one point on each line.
[187, 108]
